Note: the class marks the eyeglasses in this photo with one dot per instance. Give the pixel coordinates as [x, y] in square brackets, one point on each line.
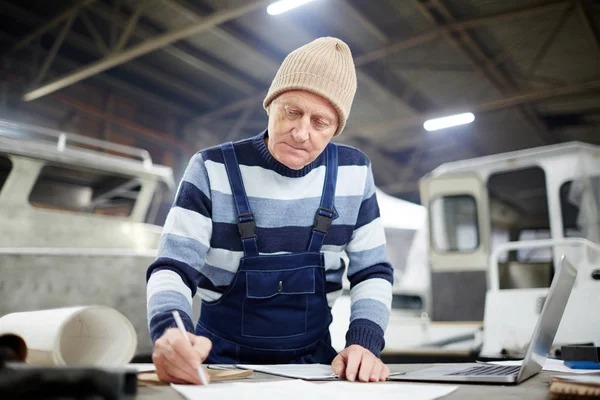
[294, 113]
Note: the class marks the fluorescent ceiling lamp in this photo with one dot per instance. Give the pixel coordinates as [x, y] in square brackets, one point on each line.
[447, 122]
[282, 6]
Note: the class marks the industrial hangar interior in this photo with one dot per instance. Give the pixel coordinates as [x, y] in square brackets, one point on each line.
[464, 137]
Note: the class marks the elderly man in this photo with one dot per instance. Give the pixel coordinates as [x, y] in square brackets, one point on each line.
[258, 228]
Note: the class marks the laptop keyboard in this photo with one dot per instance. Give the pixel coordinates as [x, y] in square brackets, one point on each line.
[495, 370]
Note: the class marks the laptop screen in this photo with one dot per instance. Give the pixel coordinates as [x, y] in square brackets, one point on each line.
[549, 320]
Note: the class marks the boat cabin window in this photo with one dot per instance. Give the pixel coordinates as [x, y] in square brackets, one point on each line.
[5, 167]
[519, 207]
[580, 208]
[84, 191]
[454, 223]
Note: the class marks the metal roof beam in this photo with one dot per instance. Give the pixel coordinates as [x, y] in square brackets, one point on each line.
[97, 113]
[365, 22]
[459, 26]
[176, 50]
[257, 98]
[123, 122]
[60, 39]
[404, 44]
[224, 34]
[130, 27]
[390, 83]
[176, 108]
[386, 167]
[506, 102]
[483, 64]
[148, 46]
[404, 91]
[116, 83]
[98, 40]
[560, 23]
[63, 16]
[239, 124]
[83, 43]
[588, 23]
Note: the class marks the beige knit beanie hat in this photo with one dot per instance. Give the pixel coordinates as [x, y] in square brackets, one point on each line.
[324, 67]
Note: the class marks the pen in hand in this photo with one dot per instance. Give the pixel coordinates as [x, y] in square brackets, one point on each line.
[179, 323]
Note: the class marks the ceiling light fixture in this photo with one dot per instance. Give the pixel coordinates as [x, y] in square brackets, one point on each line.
[282, 6]
[447, 122]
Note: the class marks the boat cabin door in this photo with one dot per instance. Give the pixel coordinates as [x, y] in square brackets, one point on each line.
[458, 210]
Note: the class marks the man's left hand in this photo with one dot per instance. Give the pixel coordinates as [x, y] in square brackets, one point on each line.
[357, 362]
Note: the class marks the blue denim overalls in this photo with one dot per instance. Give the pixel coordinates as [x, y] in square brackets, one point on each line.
[275, 310]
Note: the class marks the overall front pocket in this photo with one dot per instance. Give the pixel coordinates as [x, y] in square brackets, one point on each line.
[276, 302]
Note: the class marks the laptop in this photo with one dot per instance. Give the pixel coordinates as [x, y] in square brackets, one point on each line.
[537, 352]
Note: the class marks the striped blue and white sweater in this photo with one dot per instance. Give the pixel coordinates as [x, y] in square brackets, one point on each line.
[200, 245]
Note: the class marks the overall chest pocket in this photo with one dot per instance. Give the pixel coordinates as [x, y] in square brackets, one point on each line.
[276, 302]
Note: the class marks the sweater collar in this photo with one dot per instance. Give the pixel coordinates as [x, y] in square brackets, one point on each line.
[265, 154]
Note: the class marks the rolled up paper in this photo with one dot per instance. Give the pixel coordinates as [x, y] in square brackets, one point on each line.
[88, 335]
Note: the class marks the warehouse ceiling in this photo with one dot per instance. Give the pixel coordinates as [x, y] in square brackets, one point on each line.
[528, 69]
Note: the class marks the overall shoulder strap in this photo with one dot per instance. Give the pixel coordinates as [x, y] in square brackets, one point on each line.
[326, 212]
[245, 219]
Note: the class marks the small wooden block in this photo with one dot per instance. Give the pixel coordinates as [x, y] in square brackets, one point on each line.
[229, 374]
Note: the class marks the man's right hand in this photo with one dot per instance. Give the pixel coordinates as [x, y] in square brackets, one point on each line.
[177, 361]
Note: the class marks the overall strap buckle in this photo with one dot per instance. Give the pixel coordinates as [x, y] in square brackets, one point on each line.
[246, 225]
[323, 219]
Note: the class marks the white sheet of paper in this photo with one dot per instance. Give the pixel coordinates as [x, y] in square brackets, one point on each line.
[301, 390]
[141, 367]
[550, 365]
[310, 372]
[558, 365]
